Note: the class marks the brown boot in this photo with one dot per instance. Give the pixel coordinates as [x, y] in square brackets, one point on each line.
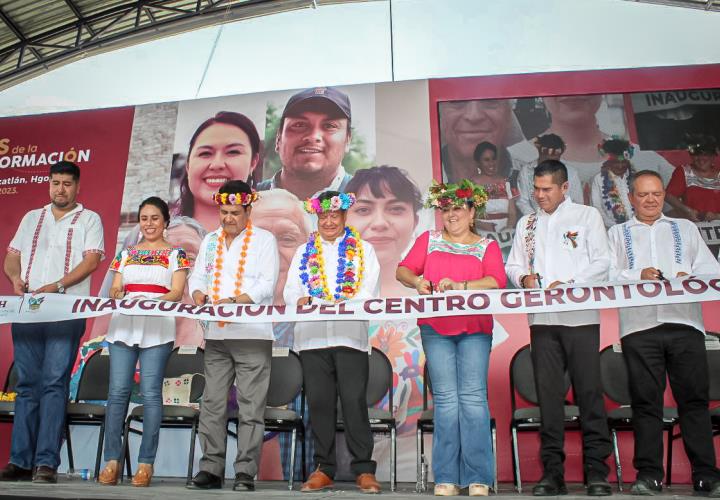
[317, 481]
[143, 475]
[367, 483]
[109, 475]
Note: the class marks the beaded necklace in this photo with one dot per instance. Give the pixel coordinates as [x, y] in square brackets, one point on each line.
[219, 263]
[312, 267]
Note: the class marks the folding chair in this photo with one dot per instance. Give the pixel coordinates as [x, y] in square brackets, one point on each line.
[616, 386]
[174, 416]
[93, 386]
[527, 419]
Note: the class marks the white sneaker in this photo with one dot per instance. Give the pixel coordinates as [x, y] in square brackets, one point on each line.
[446, 490]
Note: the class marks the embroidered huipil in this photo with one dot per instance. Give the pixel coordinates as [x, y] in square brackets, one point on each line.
[570, 245]
[261, 272]
[322, 334]
[145, 267]
[49, 249]
[604, 203]
[670, 245]
[434, 258]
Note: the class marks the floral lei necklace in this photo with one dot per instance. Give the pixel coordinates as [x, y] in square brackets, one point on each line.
[312, 267]
[219, 265]
[611, 197]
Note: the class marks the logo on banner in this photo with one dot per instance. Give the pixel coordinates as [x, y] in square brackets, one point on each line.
[35, 303]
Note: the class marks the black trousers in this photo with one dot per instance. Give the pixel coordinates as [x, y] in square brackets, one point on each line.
[328, 373]
[555, 348]
[679, 351]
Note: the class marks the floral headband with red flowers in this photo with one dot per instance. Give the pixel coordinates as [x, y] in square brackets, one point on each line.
[235, 198]
[342, 201]
[456, 195]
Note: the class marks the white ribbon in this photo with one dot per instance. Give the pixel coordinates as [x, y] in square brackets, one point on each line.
[55, 307]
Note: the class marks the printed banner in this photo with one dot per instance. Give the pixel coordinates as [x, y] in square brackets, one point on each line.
[53, 307]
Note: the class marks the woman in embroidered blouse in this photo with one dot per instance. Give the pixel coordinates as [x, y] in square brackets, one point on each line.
[694, 190]
[152, 269]
[457, 347]
[500, 211]
[611, 187]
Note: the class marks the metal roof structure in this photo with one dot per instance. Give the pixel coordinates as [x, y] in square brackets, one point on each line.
[39, 35]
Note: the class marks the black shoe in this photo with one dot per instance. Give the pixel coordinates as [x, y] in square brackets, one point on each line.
[646, 487]
[45, 474]
[598, 486]
[549, 486]
[706, 487]
[14, 473]
[244, 482]
[203, 480]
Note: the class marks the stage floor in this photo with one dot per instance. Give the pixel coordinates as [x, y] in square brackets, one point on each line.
[175, 488]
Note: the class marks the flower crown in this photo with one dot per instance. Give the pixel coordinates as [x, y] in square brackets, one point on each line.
[235, 198]
[456, 195]
[342, 201]
[547, 150]
[616, 148]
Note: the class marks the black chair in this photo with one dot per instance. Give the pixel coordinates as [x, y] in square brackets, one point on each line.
[713, 357]
[616, 386]
[174, 416]
[527, 419]
[380, 383]
[7, 408]
[426, 425]
[286, 381]
[93, 386]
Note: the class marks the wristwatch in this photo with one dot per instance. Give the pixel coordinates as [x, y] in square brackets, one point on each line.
[60, 287]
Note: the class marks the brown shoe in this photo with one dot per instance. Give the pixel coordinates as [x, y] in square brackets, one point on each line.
[317, 481]
[143, 475]
[367, 483]
[109, 475]
[14, 473]
[45, 474]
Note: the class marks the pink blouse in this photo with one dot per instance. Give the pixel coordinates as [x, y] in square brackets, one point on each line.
[435, 258]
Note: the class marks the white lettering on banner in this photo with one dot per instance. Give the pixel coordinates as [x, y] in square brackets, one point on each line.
[54, 307]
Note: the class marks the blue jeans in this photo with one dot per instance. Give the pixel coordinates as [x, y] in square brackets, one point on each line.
[462, 443]
[44, 356]
[123, 360]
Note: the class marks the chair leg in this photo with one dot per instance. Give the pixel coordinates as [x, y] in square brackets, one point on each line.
[293, 440]
[191, 454]
[494, 450]
[98, 455]
[125, 460]
[68, 442]
[393, 458]
[516, 460]
[303, 459]
[668, 465]
[616, 454]
[418, 461]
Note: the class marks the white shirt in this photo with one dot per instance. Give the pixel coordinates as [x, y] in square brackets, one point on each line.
[571, 247]
[323, 334]
[621, 183]
[258, 281]
[526, 185]
[49, 249]
[524, 152]
[635, 245]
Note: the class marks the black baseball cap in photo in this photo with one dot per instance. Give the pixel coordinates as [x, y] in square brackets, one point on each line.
[333, 95]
